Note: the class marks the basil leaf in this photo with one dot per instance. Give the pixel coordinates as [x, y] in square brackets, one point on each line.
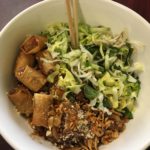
[128, 113]
[89, 92]
[107, 103]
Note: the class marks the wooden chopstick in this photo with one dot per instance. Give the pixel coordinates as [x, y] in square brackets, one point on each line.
[73, 22]
[75, 10]
[70, 22]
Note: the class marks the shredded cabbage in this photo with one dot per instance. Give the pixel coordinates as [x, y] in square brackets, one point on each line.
[102, 63]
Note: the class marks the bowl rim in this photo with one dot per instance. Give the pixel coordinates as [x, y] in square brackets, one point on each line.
[132, 12]
[5, 135]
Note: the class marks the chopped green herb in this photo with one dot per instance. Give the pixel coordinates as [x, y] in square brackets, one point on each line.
[128, 113]
[90, 93]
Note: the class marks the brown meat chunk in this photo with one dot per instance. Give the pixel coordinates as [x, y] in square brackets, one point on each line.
[24, 60]
[31, 78]
[33, 44]
[41, 106]
[57, 92]
[45, 66]
[22, 99]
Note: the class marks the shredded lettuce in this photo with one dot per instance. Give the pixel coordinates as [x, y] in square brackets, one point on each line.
[68, 81]
[102, 67]
[58, 39]
[51, 77]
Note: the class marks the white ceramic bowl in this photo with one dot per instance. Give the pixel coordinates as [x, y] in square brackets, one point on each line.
[34, 19]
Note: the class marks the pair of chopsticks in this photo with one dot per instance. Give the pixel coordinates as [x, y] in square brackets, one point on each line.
[72, 12]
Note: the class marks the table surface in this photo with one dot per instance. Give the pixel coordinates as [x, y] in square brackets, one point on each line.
[10, 8]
